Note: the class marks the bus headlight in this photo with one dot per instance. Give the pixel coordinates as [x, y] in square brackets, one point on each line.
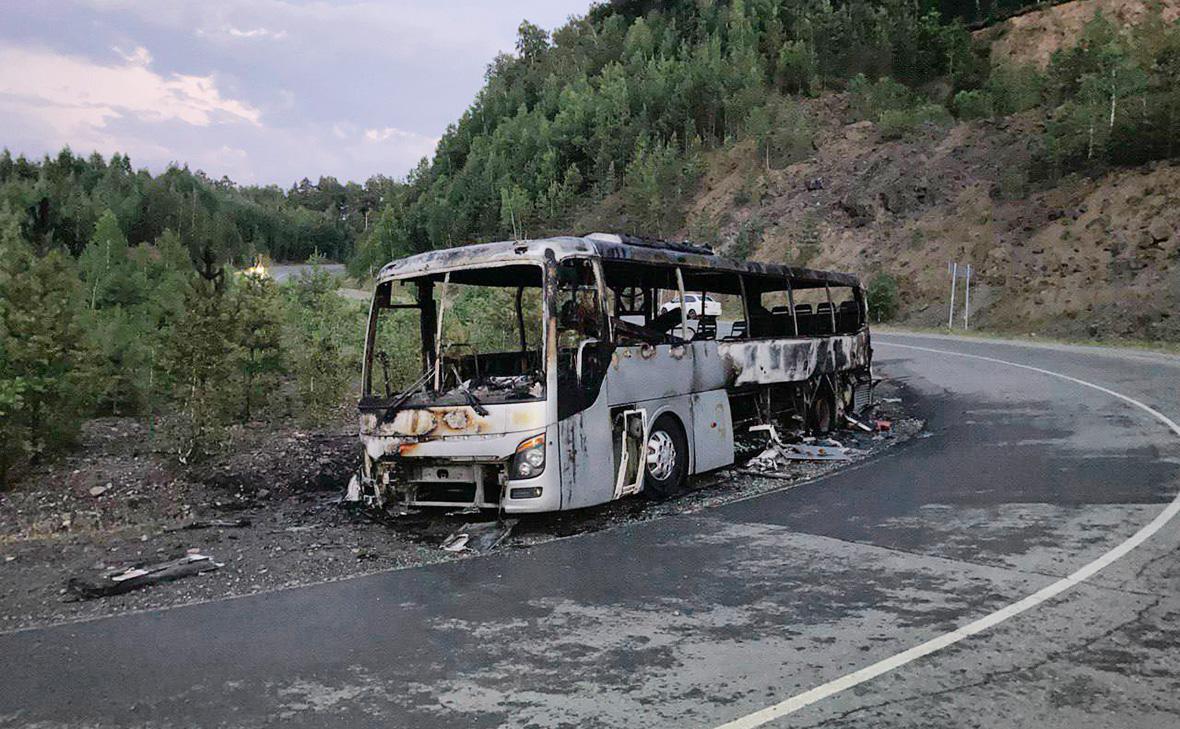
[529, 459]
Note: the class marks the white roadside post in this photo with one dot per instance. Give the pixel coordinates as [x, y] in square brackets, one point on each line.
[967, 297]
[953, 267]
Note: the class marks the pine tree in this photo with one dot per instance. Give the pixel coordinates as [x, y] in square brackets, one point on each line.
[106, 268]
[198, 358]
[259, 361]
[42, 395]
[320, 328]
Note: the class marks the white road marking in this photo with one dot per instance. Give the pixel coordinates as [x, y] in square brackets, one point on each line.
[831, 688]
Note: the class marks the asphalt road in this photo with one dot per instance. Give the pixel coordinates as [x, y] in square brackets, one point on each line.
[285, 271]
[702, 619]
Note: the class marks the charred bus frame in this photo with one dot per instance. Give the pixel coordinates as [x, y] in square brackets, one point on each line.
[604, 396]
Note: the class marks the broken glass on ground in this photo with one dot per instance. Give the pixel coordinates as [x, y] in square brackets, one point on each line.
[119, 581]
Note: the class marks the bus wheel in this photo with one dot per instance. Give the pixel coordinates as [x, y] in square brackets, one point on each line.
[667, 459]
[823, 412]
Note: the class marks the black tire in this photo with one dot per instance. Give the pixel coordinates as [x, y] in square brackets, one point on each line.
[822, 418]
[659, 480]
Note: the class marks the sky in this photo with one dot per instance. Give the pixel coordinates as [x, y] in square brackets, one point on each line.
[261, 91]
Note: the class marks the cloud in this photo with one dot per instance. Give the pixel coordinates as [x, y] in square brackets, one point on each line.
[138, 57]
[256, 33]
[260, 90]
[385, 134]
[230, 31]
[77, 96]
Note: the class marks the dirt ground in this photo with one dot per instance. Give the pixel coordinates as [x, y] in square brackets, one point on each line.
[118, 501]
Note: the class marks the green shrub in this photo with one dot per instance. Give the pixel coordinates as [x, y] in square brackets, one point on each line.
[749, 235]
[882, 298]
[976, 104]
[872, 99]
[1014, 88]
[1013, 183]
[899, 123]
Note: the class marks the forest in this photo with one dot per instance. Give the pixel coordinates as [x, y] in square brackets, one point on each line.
[122, 292]
[605, 123]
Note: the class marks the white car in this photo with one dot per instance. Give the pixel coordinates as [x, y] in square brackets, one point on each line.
[692, 306]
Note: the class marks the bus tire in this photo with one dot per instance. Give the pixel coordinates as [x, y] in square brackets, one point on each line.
[666, 459]
[822, 417]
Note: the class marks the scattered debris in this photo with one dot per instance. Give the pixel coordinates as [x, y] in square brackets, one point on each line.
[830, 451]
[884, 425]
[807, 449]
[891, 399]
[858, 423]
[99, 490]
[210, 524]
[479, 537]
[116, 582]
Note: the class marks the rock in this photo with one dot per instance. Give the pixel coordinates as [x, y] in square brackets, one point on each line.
[860, 213]
[1159, 230]
[99, 490]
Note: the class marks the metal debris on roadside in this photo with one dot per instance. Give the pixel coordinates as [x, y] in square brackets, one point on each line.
[119, 581]
[775, 456]
[858, 423]
[813, 452]
[479, 537]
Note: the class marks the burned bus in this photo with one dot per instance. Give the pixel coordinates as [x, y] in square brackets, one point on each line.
[543, 375]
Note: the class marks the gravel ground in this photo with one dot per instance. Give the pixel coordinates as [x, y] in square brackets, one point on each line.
[118, 501]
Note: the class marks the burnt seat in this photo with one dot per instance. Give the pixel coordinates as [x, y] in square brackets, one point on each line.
[806, 319]
[823, 318]
[848, 317]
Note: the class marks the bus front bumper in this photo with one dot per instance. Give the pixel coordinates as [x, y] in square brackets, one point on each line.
[456, 473]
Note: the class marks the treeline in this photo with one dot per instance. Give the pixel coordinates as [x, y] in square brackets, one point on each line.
[604, 122]
[139, 330]
[626, 99]
[58, 200]
[115, 291]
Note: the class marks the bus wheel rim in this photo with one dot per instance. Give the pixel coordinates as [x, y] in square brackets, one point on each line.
[661, 455]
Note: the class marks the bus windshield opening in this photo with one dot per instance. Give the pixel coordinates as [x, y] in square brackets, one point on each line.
[482, 327]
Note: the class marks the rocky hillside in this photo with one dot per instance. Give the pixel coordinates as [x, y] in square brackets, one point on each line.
[1033, 37]
[1093, 256]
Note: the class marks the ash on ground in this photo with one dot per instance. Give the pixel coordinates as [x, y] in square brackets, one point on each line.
[270, 512]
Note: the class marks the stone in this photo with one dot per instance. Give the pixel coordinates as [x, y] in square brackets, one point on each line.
[1160, 230]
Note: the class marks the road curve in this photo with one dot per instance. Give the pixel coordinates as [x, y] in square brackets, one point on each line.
[703, 619]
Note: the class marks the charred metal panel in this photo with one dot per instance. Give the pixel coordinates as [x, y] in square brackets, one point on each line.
[650, 371]
[585, 449]
[439, 261]
[712, 432]
[444, 421]
[709, 369]
[768, 361]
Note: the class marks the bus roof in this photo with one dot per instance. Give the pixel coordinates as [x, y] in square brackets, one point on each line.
[609, 247]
